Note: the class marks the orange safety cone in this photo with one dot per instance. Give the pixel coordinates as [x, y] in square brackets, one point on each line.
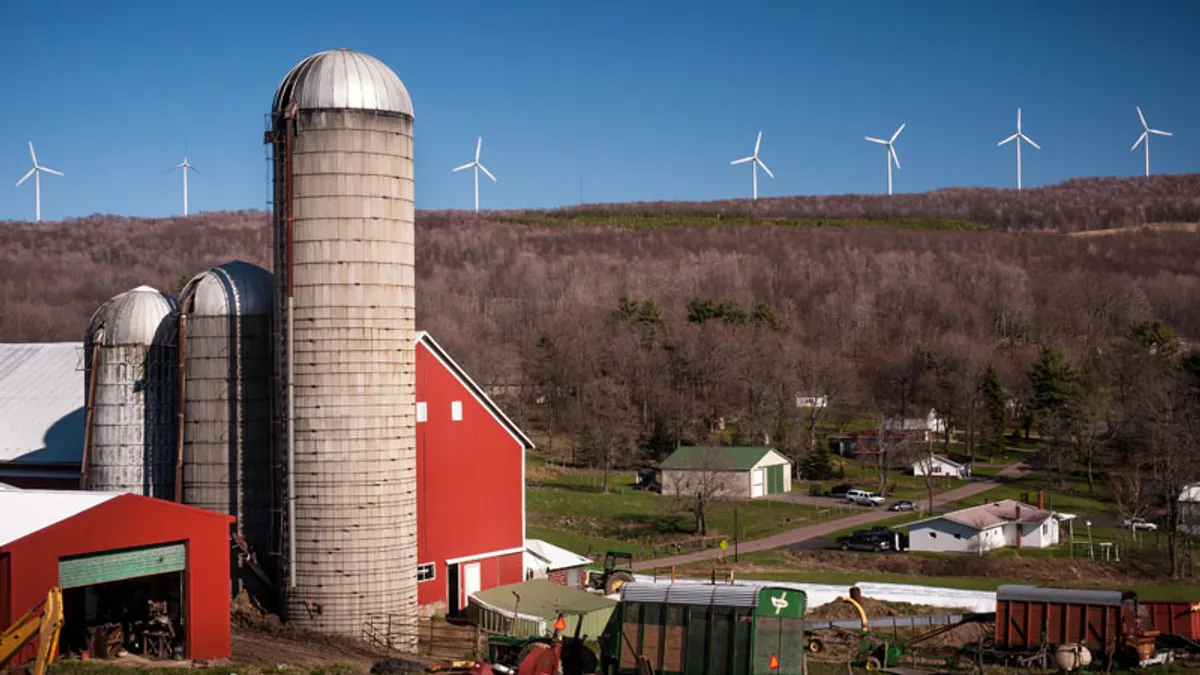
[773, 664]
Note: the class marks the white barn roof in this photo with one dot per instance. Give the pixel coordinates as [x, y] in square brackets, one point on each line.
[553, 557]
[41, 403]
[27, 511]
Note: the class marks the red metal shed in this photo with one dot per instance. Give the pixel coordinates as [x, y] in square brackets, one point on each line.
[470, 485]
[106, 545]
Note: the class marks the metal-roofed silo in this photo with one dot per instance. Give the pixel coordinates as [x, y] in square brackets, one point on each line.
[130, 392]
[226, 368]
[341, 135]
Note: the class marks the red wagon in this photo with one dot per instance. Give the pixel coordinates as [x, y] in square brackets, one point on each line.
[1030, 617]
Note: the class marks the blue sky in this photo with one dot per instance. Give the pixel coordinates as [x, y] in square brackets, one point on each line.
[632, 100]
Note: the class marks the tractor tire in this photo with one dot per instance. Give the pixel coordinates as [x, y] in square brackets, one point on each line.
[845, 546]
[615, 581]
[529, 649]
[873, 664]
[815, 646]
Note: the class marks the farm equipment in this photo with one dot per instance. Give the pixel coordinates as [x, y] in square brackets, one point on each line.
[43, 623]
[618, 570]
[539, 655]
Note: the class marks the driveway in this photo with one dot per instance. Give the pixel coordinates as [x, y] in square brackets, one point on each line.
[803, 534]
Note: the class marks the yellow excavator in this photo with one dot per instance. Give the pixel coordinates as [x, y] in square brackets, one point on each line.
[44, 623]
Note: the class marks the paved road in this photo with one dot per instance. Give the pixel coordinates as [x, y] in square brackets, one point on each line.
[802, 534]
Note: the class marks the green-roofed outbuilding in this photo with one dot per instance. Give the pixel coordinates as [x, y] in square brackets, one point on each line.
[744, 472]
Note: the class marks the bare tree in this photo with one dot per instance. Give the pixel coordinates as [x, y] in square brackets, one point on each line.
[698, 489]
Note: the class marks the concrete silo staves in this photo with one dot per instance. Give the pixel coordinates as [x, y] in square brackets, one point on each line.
[130, 393]
[224, 451]
[342, 142]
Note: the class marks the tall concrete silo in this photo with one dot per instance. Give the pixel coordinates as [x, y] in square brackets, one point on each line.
[225, 440]
[130, 393]
[342, 141]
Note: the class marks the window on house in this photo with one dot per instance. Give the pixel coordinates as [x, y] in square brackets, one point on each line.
[426, 572]
[957, 536]
[422, 413]
[456, 411]
[1045, 528]
[933, 535]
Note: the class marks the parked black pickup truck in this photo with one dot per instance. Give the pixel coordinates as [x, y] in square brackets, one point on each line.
[878, 539]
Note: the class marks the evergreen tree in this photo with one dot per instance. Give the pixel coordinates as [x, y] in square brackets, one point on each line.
[992, 395]
[818, 465]
[1054, 386]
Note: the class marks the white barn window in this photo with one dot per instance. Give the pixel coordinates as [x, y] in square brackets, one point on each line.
[456, 411]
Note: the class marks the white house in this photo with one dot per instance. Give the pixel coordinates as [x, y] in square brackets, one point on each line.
[544, 560]
[984, 528]
[931, 423]
[1189, 508]
[812, 401]
[937, 465]
[741, 472]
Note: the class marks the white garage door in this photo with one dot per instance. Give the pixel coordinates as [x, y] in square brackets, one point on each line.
[756, 482]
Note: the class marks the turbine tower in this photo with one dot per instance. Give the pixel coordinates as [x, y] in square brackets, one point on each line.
[891, 155]
[36, 172]
[186, 166]
[478, 167]
[1145, 138]
[1018, 137]
[755, 162]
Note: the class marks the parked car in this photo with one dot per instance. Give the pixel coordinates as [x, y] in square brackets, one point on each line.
[903, 505]
[1139, 523]
[840, 490]
[868, 540]
[863, 498]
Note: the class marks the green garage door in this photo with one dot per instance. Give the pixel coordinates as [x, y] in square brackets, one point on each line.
[774, 479]
[99, 568]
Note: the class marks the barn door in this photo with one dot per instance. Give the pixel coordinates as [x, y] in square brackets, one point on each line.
[756, 483]
[775, 479]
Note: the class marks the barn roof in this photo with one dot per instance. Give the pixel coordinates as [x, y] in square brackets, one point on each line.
[555, 557]
[716, 457]
[27, 511]
[41, 403]
[462, 376]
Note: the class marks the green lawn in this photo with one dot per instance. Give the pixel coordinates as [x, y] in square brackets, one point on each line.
[898, 521]
[865, 476]
[571, 510]
[1074, 499]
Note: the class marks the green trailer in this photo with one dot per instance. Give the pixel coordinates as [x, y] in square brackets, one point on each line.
[700, 629]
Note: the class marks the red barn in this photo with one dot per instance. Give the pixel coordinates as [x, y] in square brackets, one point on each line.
[111, 553]
[470, 485]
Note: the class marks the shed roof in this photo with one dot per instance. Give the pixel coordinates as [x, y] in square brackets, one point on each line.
[27, 511]
[545, 599]
[995, 514]
[692, 594]
[717, 457]
[554, 557]
[939, 458]
[41, 403]
[1019, 592]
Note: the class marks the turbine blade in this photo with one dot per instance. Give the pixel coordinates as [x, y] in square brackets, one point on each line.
[743, 160]
[464, 166]
[56, 173]
[764, 167]
[898, 132]
[26, 177]
[895, 157]
[1018, 120]
[757, 143]
[32, 153]
[876, 140]
[1030, 141]
[478, 148]
[1160, 133]
[194, 170]
[1139, 140]
[489, 173]
[1010, 138]
[1142, 117]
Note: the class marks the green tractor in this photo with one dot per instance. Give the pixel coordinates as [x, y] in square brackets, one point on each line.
[618, 569]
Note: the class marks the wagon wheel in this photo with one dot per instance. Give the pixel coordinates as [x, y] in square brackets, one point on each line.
[873, 664]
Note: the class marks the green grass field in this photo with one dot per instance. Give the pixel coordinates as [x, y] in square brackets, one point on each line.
[866, 476]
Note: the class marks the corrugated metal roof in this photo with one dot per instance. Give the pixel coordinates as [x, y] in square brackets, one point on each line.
[27, 511]
[730, 595]
[343, 79]
[1023, 593]
[715, 457]
[554, 557]
[134, 317]
[217, 290]
[41, 403]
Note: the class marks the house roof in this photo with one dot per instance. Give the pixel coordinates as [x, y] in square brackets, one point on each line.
[442, 356]
[545, 599]
[41, 403]
[939, 458]
[27, 511]
[554, 557]
[995, 514]
[721, 457]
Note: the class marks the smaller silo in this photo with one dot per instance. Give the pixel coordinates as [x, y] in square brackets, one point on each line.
[225, 350]
[130, 392]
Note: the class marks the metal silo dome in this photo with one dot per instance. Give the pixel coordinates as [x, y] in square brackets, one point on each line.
[134, 317]
[235, 287]
[342, 79]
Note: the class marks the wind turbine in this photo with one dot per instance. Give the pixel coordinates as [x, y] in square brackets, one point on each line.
[1018, 137]
[478, 167]
[891, 153]
[186, 166]
[1145, 137]
[36, 172]
[755, 162]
